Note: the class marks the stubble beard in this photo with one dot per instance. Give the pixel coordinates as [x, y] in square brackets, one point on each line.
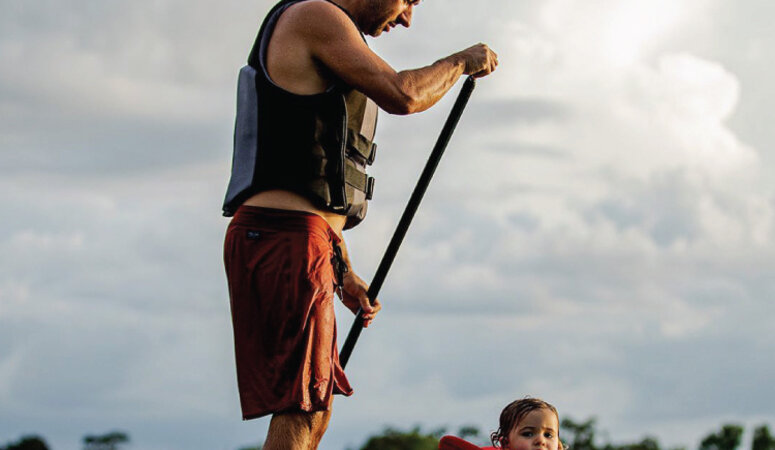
[375, 13]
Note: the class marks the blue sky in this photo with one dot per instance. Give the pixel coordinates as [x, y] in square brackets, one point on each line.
[599, 234]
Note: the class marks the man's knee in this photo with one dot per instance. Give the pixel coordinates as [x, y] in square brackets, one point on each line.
[320, 425]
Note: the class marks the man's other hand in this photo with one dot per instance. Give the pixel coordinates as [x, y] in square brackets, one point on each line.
[354, 296]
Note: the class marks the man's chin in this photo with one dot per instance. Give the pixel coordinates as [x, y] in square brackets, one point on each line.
[377, 31]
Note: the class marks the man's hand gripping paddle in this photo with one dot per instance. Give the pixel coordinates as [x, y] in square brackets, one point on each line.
[406, 218]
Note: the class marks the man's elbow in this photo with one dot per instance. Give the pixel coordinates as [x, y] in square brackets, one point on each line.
[402, 106]
[398, 109]
[403, 97]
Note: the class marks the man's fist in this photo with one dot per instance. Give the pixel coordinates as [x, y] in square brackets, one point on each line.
[479, 60]
[354, 291]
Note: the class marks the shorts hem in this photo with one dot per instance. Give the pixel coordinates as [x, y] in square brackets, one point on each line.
[294, 408]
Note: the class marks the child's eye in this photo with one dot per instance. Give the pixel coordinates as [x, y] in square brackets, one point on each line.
[548, 435]
[527, 434]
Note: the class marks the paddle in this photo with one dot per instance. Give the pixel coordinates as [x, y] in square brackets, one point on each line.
[409, 211]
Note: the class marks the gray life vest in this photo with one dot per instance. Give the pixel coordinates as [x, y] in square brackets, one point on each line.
[315, 145]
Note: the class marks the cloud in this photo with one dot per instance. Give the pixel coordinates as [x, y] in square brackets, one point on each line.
[637, 219]
[598, 233]
[104, 87]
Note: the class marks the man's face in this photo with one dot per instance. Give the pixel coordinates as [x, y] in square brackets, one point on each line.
[382, 15]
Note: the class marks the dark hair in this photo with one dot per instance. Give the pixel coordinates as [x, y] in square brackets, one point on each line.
[514, 412]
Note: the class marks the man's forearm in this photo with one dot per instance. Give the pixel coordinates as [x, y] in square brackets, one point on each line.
[427, 85]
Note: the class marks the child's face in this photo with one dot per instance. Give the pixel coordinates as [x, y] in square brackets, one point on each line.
[536, 431]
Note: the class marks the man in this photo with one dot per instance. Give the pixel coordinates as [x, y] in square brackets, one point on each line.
[303, 138]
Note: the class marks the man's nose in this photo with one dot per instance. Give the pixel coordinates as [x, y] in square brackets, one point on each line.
[405, 18]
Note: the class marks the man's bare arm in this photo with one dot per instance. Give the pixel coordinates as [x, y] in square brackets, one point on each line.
[428, 85]
[355, 289]
[334, 41]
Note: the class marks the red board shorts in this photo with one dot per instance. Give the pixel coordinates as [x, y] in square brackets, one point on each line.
[281, 285]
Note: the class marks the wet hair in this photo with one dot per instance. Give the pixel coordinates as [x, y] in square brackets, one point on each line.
[514, 412]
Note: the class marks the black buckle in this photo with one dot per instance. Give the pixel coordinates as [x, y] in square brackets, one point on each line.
[369, 188]
[373, 154]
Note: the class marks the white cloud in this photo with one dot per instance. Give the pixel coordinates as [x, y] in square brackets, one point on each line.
[597, 234]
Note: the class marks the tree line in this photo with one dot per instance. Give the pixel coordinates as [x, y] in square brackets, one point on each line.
[113, 440]
[583, 435]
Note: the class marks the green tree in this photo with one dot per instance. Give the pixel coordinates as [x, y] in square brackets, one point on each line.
[647, 443]
[392, 439]
[109, 441]
[27, 443]
[728, 438]
[582, 434]
[762, 439]
[468, 431]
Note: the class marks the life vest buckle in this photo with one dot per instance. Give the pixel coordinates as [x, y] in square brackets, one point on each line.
[369, 188]
[372, 154]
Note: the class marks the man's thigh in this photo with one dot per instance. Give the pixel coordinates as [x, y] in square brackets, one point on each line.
[297, 430]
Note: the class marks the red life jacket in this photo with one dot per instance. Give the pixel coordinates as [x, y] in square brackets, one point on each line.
[455, 443]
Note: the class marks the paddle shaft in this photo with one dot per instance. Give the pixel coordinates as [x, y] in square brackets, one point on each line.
[408, 215]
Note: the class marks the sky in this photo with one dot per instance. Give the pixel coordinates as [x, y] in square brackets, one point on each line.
[600, 233]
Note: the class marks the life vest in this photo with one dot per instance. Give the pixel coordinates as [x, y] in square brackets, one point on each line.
[456, 443]
[315, 145]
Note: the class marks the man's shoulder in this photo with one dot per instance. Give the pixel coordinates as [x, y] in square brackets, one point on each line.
[316, 17]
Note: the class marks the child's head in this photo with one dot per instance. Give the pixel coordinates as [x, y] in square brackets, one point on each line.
[528, 424]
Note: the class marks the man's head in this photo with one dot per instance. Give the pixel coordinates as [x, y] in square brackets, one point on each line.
[382, 15]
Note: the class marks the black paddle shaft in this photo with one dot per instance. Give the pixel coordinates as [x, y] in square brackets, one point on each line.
[406, 218]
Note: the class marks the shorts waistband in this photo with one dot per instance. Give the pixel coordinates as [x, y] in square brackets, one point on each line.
[284, 220]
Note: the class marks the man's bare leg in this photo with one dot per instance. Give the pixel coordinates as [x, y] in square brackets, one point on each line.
[297, 430]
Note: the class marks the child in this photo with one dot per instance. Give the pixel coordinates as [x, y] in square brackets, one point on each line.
[528, 424]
